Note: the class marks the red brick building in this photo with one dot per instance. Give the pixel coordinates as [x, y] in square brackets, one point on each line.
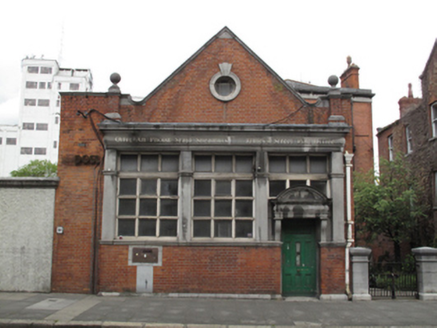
[225, 179]
[415, 135]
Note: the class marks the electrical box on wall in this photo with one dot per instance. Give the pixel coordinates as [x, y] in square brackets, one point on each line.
[144, 255]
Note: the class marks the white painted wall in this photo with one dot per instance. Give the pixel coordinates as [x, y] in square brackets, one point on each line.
[26, 226]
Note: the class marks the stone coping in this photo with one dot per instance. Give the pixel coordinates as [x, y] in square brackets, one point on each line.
[30, 182]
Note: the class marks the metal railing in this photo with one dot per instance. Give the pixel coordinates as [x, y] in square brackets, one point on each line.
[392, 280]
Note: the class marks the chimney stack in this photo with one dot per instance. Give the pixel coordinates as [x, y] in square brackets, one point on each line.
[350, 77]
[407, 104]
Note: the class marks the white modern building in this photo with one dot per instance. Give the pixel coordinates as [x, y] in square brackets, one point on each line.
[37, 135]
[8, 149]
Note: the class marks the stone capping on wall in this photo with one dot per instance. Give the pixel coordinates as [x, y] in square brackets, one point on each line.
[30, 182]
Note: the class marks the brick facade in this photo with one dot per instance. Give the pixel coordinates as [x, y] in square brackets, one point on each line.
[415, 113]
[86, 261]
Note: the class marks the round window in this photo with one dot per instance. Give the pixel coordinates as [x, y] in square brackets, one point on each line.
[225, 87]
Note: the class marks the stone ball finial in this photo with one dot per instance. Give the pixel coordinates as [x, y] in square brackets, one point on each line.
[349, 60]
[333, 81]
[115, 78]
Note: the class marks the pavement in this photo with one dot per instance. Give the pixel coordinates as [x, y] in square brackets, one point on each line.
[197, 311]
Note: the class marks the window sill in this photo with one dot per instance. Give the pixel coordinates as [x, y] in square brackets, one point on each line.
[192, 243]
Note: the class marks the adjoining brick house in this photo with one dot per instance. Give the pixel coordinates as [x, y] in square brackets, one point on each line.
[225, 179]
[414, 134]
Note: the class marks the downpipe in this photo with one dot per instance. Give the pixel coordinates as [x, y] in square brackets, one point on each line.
[349, 241]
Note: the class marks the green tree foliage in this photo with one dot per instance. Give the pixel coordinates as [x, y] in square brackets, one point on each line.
[37, 168]
[389, 203]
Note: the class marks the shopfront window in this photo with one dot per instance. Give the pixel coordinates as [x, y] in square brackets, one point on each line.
[297, 170]
[223, 196]
[148, 198]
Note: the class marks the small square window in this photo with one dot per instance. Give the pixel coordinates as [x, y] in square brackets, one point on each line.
[26, 151]
[28, 126]
[126, 227]
[223, 228]
[46, 70]
[168, 228]
[40, 151]
[202, 188]
[277, 164]
[243, 229]
[147, 227]
[11, 141]
[44, 102]
[31, 85]
[128, 163]
[203, 163]
[42, 85]
[29, 102]
[74, 86]
[33, 69]
[202, 228]
[275, 187]
[42, 126]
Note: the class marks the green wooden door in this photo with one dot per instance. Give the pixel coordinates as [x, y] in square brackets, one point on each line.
[298, 258]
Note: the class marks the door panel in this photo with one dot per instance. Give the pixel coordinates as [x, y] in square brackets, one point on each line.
[299, 258]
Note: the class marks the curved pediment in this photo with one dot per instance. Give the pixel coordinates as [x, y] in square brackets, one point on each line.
[301, 195]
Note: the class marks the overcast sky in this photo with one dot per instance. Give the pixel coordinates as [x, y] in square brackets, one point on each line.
[145, 41]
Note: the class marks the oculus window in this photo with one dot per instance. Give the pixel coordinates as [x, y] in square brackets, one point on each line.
[225, 85]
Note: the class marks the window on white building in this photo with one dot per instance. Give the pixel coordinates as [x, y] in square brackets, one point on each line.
[57, 119]
[33, 69]
[26, 151]
[409, 139]
[46, 70]
[390, 148]
[40, 151]
[29, 102]
[49, 85]
[31, 85]
[223, 196]
[55, 144]
[42, 85]
[1, 140]
[74, 86]
[11, 141]
[44, 102]
[147, 203]
[28, 126]
[42, 126]
[434, 119]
